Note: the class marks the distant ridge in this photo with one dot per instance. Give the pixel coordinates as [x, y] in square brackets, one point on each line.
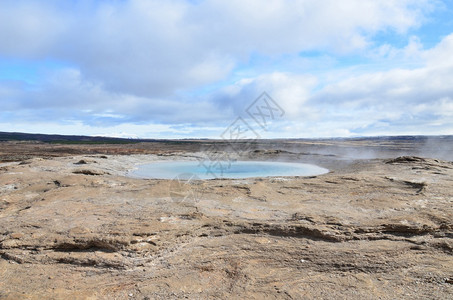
[57, 138]
[75, 139]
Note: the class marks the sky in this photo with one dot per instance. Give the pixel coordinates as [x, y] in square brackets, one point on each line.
[193, 68]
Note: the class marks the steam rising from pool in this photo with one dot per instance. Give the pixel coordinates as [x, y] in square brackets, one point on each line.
[238, 169]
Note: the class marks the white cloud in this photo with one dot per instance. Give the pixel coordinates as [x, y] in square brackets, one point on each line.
[403, 98]
[410, 53]
[29, 29]
[440, 56]
[289, 90]
[397, 101]
[138, 62]
[152, 48]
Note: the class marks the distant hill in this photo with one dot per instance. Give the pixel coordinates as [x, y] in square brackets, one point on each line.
[65, 139]
[80, 139]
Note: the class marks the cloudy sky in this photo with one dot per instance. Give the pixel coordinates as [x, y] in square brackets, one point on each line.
[189, 68]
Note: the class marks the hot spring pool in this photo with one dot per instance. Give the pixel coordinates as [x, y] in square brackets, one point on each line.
[238, 169]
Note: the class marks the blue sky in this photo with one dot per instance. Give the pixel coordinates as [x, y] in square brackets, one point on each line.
[181, 69]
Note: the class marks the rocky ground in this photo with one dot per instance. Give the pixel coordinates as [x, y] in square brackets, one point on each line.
[73, 226]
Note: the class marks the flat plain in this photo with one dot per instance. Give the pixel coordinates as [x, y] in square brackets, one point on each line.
[379, 225]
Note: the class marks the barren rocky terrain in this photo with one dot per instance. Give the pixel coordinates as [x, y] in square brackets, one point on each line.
[73, 225]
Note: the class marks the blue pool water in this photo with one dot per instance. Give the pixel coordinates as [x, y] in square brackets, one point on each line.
[238, 169]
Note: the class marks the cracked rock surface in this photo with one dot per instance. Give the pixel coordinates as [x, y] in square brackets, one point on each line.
[76, 227]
